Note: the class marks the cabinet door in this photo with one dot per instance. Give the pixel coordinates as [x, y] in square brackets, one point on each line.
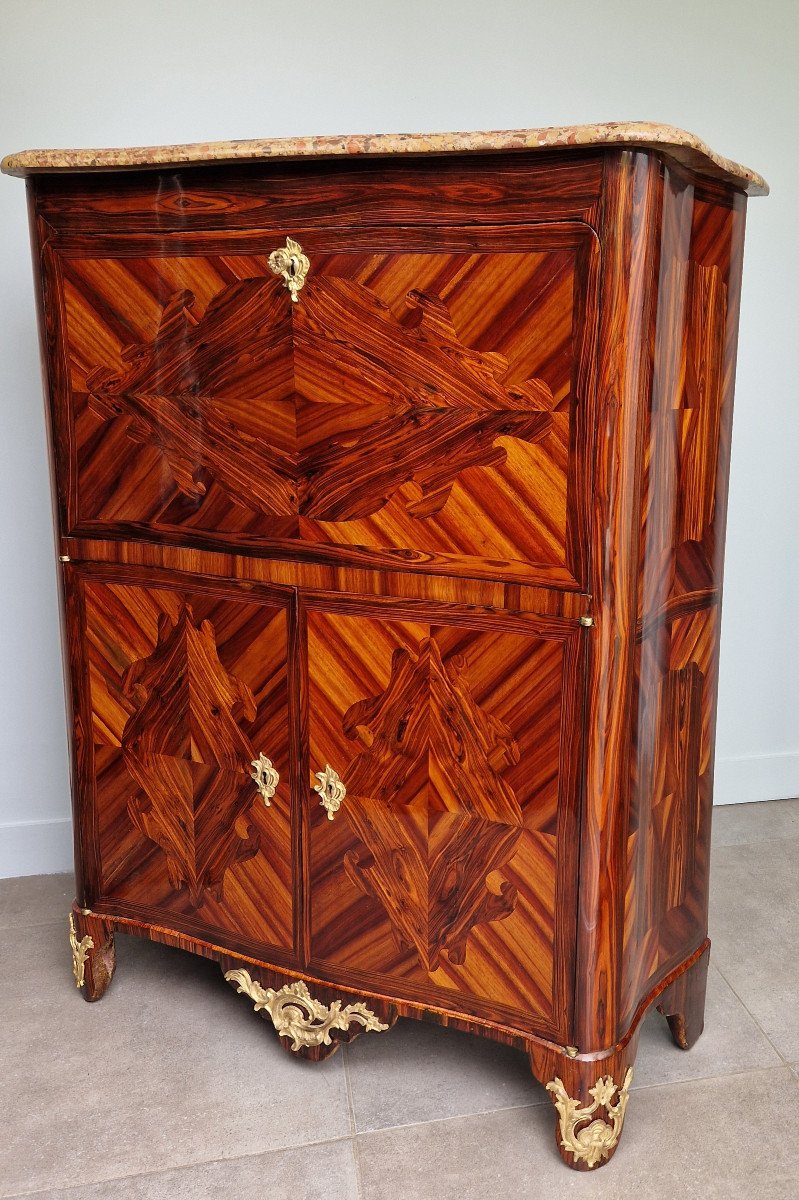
[442, 829]
[186, 698]
[423, 388]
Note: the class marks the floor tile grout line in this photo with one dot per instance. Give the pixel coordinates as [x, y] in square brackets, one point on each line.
[353, 1127]
[715, 846]
[353, 1138]
[202, 1162]
[638, 1088]
[648, 1087]
[35, 924]
[348, 1086]
[490, 1112]
[356, 1158]
[746, 1008]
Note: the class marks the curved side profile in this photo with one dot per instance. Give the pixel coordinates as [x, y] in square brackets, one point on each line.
[390, 506]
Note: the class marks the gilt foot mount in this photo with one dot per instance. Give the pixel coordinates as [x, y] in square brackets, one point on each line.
[91, 940]
[590, 1139]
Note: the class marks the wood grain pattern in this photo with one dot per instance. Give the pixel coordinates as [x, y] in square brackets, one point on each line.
[683, 1003]
[479, 594]
[362, 531]
[431, 411]
[184, 747]
[624, 371]
[459, 190]
[283, 449]
[683, 511]
[545, 1055]
[457, 746]
[100, 961]
[185, 689]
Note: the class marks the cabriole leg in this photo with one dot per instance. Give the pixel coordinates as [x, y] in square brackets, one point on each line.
[590, 1096]
[93, 956]
[683, 1003]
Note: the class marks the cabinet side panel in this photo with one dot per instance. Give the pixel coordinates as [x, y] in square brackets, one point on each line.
[683, 511]
[627, 292]
[70, 618]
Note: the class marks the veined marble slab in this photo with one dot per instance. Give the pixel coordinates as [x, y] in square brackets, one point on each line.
[687, 148]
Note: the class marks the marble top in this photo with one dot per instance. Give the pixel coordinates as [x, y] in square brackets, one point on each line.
[685, 147]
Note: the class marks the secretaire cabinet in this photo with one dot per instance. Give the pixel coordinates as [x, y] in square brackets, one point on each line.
[390, 480]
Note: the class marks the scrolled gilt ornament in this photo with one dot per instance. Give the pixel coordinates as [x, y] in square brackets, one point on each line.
[80, 952]
[290, 262]
[593, 1142]
[331, 790]
[266, 778]
[296, 1015]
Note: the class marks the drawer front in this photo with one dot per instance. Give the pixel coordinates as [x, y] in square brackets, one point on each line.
[416, 406]
[183, 688]
[443, 772]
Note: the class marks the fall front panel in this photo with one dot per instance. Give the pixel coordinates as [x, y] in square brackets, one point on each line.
[444, 873]
[407, 406]
[188, 716]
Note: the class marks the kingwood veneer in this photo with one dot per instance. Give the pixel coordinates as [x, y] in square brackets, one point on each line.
[391, 479]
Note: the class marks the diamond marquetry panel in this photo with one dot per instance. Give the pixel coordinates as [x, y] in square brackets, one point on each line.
[686, 456]
[185, 691]
[410, 404]
[440, 870]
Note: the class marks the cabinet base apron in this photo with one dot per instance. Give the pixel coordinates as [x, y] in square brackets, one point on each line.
[590, 1091]
[390, 490]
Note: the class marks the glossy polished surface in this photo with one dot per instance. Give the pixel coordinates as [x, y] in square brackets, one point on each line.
[391, 411]
[401, 1103]
[445, 525]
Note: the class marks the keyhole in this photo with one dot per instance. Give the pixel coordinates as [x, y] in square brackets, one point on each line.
[293, 264]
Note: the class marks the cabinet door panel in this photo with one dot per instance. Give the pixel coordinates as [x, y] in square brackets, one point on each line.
[419, 393]
[446, 868]
[186, 689]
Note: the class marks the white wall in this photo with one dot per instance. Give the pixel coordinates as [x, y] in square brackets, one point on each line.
[150, 71]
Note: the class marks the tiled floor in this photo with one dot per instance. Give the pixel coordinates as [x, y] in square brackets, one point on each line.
[172, 1088]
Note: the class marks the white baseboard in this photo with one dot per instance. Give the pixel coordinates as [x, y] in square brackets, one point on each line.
[45, 847]
[35, 847]
[756, 777]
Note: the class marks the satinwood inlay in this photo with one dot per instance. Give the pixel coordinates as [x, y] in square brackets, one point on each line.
[423, 413]
[391, 499]
[187, 752]
[426, 725]
[429, 873]
[391, 412]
